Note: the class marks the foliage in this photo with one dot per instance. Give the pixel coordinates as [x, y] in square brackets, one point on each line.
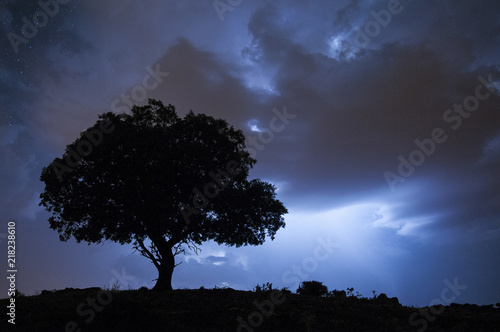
[350, 293]
[285, 290]
[116, 286]
[161, 182]
[338, 294]
[223, 310]
[267, 287]
[315, 288]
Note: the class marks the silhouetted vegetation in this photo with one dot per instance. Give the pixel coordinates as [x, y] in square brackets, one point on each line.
[223, 309]
[164, 183]
[314, 288]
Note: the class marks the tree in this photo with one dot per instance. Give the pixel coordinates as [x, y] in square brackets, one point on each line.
[314, 288]
[161, 182]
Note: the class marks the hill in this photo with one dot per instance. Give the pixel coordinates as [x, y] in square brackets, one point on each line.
[94, 309]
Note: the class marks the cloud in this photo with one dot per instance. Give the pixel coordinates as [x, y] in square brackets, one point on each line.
[217, 260]
[358, 109]
[357, 117]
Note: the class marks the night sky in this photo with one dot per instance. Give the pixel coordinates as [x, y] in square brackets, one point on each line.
[378, 121]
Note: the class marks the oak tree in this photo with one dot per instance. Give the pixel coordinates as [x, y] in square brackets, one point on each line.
[163, 183]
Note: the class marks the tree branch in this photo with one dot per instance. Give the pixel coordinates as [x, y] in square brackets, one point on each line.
[139, 246]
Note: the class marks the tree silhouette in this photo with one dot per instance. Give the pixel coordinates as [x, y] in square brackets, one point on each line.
[161, 182]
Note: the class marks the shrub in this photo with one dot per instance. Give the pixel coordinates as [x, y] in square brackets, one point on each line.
[337, 294]
[285, 290]
[315, 288]
[267, 287]
[350, 293]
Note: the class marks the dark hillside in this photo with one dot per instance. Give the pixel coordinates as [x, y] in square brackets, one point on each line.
[94, 309]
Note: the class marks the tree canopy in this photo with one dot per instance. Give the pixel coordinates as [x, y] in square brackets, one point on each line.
[161, 182]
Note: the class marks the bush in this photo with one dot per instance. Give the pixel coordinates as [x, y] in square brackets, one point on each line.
[337, 294]
[350, 293]
[314, 288]
[267, 287]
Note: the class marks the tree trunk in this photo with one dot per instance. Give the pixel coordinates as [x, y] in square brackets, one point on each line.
[164, 281]
[165, 271]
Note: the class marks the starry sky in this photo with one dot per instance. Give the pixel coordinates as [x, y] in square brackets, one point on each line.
[378, 121]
